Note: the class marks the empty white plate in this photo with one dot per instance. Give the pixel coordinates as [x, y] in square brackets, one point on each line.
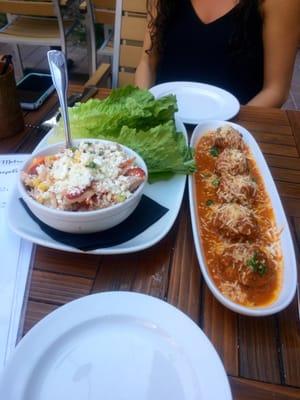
[199, 101]
[115, 346]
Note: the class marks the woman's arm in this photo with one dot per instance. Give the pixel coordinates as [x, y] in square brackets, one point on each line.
[281, 32]
[146, 70]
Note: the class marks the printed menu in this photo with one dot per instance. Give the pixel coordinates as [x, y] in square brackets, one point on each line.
[15, 263]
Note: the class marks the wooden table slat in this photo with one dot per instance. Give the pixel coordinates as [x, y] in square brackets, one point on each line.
[245, 389]
[221, 326]
[294, 121]
[289, 331]
[83, 265]
[289, 328]
[35, 311]
[259, 358]
[290, 163]
[291, 206]
[289, 189]
[259, 126]
[278, 149]
[286, 175]
[10, 144]
[274, 138]
[39, 115]
[58, 289]
[296, 223]
[261, 115]
[184, 289]
[145, 272]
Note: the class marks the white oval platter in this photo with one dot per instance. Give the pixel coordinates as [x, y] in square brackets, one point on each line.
[289, 275]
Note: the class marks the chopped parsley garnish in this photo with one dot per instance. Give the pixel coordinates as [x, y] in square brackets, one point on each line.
[215, 182]
[214, 151]
[209, 202]
[91, 164]
[73, 148]
[256, 265]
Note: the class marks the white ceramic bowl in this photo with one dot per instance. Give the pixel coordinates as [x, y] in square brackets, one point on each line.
[289, 276]
[82, 221]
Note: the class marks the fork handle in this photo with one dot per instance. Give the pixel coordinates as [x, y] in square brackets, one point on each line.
[59, 73]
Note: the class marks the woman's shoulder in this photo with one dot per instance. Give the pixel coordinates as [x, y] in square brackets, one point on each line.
[282, 8]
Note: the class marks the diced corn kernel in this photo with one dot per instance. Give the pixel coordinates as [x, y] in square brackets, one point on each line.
[36, 182]
[76, 156]
[43, 186]
[40, 199]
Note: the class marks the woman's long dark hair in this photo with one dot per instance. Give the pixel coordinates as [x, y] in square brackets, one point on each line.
[168, 9]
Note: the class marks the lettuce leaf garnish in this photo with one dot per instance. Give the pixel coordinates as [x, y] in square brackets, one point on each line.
[134, 118]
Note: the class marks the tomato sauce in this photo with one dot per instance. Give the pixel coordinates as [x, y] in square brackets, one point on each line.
[213, 244]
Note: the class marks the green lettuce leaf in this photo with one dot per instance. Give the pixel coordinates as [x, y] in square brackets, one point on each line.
[134, 118]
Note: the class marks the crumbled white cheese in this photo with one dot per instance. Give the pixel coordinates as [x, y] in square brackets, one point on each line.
[90, 170]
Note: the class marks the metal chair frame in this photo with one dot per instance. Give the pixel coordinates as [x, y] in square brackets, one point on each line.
[90, 22]
[63, 33]
[127, 11]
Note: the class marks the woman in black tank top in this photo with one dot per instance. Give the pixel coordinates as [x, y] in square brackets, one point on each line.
[241, 50]
[207, 52]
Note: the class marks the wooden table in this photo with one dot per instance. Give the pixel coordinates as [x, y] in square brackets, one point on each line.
[261, 355]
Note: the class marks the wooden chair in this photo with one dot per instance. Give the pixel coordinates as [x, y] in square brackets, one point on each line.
[129, 30]
[34, 22]
[101, 12]
[130, 25]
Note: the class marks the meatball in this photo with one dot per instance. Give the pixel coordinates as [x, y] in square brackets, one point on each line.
[231, 161]
[234, 221]
[228, 137]
[246, 264]
[239, 189]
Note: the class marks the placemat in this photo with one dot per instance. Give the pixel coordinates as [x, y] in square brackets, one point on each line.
[146, 214]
